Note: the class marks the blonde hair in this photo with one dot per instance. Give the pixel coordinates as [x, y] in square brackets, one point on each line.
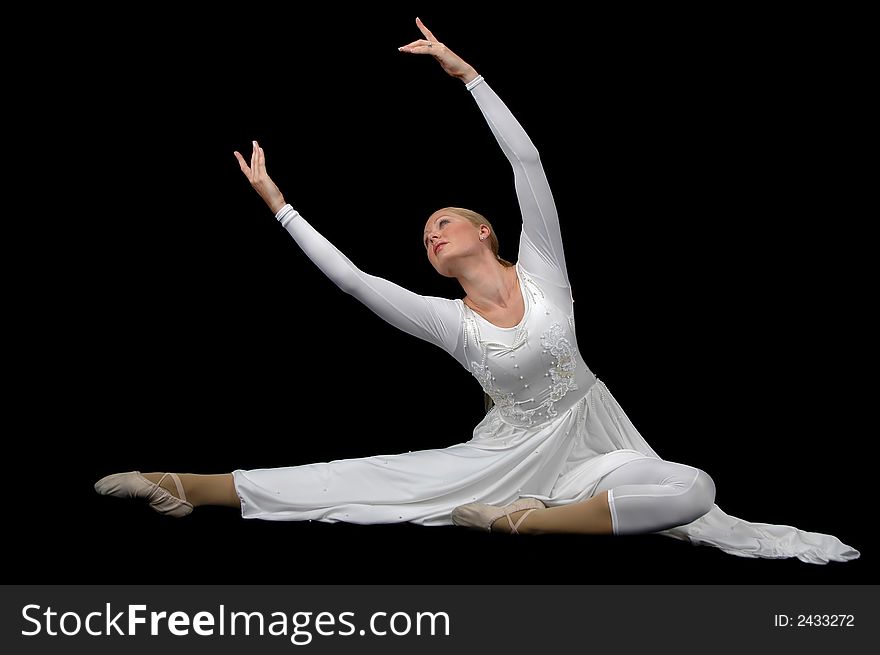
[478, 219]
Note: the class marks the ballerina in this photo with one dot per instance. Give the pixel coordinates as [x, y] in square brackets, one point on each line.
[556, 453]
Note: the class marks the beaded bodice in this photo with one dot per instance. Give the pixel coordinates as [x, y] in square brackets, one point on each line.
[538, 373]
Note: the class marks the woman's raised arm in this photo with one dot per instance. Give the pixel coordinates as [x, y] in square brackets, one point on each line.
[436, 320]
[541, 251]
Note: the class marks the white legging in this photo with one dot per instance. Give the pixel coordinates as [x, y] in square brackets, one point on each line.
[647, 495]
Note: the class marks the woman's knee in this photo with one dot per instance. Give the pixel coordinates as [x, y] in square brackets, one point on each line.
[703, 492]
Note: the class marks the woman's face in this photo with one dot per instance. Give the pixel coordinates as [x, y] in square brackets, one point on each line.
[449, 237]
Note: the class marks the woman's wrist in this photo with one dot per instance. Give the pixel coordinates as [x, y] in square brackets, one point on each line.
[469, 76]
[277, 204]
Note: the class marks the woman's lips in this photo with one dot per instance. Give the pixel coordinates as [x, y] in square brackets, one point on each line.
[438, 246]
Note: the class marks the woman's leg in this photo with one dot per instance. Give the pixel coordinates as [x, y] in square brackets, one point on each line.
[641, 496]
[202, 489]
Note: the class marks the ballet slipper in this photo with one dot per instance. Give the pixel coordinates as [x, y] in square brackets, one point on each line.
[480, 516]
[135, 485]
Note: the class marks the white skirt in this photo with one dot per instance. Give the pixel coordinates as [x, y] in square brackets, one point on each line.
[559, 462]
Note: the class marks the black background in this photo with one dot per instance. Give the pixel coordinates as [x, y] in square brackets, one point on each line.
[706, 175]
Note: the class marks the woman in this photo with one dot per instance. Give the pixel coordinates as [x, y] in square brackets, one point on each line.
[555, 454]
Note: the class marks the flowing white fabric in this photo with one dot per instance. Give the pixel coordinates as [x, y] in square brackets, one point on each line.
[555, 429]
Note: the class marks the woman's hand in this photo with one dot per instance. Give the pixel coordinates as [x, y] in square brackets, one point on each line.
[451, 62]
[260, 180]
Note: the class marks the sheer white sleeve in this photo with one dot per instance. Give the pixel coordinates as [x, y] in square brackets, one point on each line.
[540, 251]
[436, 320]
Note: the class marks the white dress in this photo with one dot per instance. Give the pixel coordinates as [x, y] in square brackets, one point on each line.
[555, 429]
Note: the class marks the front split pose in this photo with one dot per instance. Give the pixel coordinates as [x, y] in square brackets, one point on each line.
[556, 453]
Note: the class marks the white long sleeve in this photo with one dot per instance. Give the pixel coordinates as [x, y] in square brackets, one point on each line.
[436, 320]
[541, 252]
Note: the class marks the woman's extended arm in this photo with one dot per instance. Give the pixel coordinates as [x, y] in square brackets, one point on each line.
[541, 249]
[436, 320]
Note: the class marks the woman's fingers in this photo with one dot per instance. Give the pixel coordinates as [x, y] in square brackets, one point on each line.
[424, 47]
[424, 29]
[242, 164]
[257, 169]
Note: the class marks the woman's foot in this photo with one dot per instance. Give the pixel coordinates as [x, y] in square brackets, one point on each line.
[509, 518]
[164, 491]
[515, 520]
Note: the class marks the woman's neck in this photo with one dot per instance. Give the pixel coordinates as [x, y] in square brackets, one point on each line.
[490, 286]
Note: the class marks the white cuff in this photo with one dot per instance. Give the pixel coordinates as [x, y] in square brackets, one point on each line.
[470, 85]
[286, 214]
